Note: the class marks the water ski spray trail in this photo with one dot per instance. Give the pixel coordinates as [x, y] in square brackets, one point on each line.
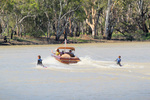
[84, 64]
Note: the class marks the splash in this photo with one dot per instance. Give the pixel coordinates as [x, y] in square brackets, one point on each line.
[86, 63]
[53, 64]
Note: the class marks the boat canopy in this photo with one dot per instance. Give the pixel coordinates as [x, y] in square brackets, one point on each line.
[71, 48]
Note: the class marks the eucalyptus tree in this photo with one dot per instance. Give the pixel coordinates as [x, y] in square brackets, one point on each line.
[6, 7]
[92, 10]
[23, 9]
[142, 12]
[13, 12]
[43, 20]
[108, 25]
[131, 17]
[62, 11]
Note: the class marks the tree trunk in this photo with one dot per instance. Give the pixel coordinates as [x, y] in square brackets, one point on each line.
[21, 31]
[145, 29]
[99, 12]
[48, 32]
[65, 34]
[48, 26]
[110, 33]
[90, 20]
[78, 29]
[57, 38]
[0, 28]
[142, 15]
[107, 21]
[3, 26]
[93, 30]
[12, 33]
[70, 29]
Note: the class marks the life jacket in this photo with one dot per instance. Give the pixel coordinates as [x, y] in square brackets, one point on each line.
[39, 62]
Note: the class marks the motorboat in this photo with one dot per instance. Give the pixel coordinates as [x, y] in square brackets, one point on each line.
[65, 56]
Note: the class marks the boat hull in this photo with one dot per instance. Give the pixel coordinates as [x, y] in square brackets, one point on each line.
[68, 60]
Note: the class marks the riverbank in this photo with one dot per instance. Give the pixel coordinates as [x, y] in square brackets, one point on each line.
[45, 41]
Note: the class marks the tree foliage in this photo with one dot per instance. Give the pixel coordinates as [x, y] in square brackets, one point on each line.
[37, 18]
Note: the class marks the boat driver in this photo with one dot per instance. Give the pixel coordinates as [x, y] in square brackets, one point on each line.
[71, 54]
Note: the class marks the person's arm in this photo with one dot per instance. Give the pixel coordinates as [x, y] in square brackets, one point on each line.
[52, 51]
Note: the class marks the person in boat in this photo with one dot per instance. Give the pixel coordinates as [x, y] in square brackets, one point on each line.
[62, 53]
[119, 60]
[57, 52]
[71, 54]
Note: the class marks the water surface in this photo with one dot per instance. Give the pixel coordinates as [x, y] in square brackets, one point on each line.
[96, 77]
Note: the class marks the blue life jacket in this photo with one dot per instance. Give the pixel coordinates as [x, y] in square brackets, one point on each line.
[118, 60]
[39, 62]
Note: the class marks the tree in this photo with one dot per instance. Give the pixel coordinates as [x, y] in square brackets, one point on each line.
[62, 14]
[142, 12]
[108, 26]
[131, 19]
[91, 11]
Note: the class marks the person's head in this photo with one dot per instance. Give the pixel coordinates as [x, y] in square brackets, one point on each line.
[70, 51]
[57, 50]
[39, 57]
[119, 56]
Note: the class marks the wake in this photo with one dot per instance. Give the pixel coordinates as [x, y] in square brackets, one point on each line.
[86, 63]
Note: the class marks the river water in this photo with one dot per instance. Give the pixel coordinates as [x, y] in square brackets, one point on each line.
[95, 77]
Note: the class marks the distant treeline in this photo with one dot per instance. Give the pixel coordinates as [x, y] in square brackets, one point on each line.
[105, 18]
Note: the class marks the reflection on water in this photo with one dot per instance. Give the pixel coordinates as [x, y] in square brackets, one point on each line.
[95, 77]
